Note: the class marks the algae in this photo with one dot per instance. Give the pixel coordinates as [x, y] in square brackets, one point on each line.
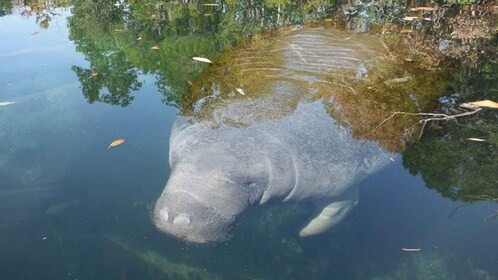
[169, 269]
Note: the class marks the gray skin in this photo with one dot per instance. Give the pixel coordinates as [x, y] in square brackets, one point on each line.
[247, 151]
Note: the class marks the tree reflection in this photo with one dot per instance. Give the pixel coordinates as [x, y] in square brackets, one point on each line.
[5, 7]
[121, 40]
[43, 11]
[451, 164]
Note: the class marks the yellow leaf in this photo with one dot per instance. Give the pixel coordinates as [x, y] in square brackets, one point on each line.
[94, 74]
[201, 59]
[155, 47]
[485, 103]
[115, 143]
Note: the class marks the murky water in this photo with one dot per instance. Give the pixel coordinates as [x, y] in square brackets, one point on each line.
[70, 208]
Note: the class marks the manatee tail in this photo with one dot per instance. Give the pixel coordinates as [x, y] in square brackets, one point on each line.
[330, 215]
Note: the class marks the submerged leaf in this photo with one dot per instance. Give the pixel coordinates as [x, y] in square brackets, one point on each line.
[201, 59]
[115, 143]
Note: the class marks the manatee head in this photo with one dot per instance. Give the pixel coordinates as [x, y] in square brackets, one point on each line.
[199, 208]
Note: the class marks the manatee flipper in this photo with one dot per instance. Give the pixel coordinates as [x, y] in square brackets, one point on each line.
[330, 215]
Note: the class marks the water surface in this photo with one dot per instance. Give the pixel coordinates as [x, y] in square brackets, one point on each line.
[70, 208]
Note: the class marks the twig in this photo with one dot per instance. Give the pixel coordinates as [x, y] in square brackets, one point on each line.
[430, 117]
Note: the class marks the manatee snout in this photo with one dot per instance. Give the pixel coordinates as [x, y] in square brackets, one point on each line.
[184, 216]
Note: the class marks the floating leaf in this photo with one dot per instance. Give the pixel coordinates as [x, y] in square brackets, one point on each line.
[94, 74]
[241, 91]
[416, 9]
[6, 103]
[115, 143]
[201, 59]
[155, 47]
[485, 103]
[476, 139]
[410, 18]
[410, 249]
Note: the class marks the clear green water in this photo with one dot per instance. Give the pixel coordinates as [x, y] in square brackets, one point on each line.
[72, 209]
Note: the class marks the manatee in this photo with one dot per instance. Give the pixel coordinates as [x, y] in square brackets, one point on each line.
[276, 142]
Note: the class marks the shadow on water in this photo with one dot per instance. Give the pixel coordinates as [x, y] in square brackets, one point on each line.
[69, 210]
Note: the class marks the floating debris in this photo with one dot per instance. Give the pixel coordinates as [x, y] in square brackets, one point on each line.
[241, 91]
[425, 9]
[485, 103]
[476, 139]
[115, 143]
[410, 18]
[6, 103]
[201, 59]
[411, 249]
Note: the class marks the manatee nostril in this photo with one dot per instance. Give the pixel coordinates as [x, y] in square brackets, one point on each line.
[164, 214]
[181, 219]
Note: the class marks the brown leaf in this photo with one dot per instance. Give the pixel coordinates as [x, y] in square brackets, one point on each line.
[115, 143]
[94, 74]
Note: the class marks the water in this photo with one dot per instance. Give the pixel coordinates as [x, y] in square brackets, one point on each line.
[72, 209]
